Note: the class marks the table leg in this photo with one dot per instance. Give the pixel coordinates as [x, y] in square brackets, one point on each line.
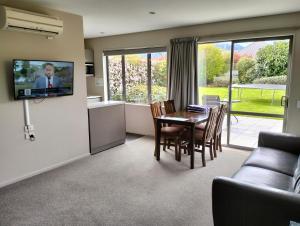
[192, 145]
[157, 139]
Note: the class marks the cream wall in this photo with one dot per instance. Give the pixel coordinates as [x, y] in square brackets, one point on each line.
[139, 119]
[287, 24]
[60, 123]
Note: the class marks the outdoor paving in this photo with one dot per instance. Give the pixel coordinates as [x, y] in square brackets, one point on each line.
[244, 132]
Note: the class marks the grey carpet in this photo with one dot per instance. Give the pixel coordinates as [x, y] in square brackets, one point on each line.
[122, 186]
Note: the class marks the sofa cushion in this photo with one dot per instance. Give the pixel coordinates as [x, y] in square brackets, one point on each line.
[273, 159]
[297, 188]
[264, 177]
[297, 178]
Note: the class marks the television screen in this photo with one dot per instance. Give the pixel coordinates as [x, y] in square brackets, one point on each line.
[40, 79]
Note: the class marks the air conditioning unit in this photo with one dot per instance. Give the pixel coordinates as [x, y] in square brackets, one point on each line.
[21, 20]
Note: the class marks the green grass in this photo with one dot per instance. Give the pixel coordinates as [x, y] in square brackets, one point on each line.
[251, 100]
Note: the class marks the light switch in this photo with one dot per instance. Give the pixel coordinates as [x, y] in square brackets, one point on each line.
[298, 104]
[99, 82]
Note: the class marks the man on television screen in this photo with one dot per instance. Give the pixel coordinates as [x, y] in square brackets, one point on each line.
[48, 80]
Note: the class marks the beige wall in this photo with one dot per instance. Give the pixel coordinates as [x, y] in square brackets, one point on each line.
[139, 119]
[60, 123]
[246, 28]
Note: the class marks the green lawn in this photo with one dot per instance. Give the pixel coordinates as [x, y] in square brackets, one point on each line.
[251, 99]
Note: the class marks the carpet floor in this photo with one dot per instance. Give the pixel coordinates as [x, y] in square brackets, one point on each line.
[121, 186]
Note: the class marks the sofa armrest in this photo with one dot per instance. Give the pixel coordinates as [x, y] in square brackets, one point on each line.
[241, 204]
[283, 141]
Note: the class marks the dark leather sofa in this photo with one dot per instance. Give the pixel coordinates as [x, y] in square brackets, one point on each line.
[266, 189]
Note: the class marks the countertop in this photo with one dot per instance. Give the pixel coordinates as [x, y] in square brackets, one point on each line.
[104, 104]
[93, 97]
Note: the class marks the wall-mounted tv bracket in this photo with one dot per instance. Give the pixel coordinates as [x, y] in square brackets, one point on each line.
[28, 129]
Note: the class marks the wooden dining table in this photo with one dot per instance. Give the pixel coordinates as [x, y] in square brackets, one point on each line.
[188, 119]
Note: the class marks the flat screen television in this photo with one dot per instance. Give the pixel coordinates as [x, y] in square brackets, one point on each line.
[41, 79]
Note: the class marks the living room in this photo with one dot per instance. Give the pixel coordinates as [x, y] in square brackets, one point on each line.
[52, 174]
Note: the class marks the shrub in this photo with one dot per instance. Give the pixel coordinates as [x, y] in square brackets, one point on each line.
[159, 93]
[280, 80]
[159, 73]
[273, 59]
[246, 70]
[223, 81]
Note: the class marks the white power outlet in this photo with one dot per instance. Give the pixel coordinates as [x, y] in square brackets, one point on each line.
[298, 104]
[29, 132]
[27, 137]
[28, 128]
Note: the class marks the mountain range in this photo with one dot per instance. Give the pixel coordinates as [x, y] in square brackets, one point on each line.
[227, 46]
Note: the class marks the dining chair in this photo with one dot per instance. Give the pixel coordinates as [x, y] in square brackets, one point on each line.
[169, 109]
[211, 101]
[204, 138]
[169, 133]
[169, 106]
[217, 139]
[214, 100]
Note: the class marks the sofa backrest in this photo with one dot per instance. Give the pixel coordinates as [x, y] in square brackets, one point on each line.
[282, 141]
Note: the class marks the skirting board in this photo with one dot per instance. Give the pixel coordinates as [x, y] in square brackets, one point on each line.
[107, 146]
[34, 173]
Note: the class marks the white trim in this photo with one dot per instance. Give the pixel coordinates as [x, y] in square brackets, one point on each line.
[104, 104]
[37, 172]
[137, 104]
[104, 69]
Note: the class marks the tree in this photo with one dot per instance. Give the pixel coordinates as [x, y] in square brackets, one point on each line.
[272, 60]
[246, 69]
[159, 73]
[226, 58]
[136, 59]
[213, 62]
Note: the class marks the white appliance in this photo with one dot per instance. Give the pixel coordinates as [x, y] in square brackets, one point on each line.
[21, 20]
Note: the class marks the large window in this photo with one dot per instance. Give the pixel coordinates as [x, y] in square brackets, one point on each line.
[137, 76]
[115, 81]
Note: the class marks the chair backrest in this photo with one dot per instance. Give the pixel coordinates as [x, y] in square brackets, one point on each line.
[169, 106]
[211, 123]
[155, 110]
[220, 119]
[211, 100]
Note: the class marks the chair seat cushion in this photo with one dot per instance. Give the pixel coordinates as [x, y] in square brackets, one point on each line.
[200, 126]
[171, 130]
[198, 135]
[179, 126]
[273, 159]
[264, 177]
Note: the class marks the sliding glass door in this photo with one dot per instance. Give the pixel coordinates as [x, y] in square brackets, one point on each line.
[253, 84]
[214, 75]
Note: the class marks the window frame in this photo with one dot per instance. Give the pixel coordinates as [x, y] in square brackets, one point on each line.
[122, 53]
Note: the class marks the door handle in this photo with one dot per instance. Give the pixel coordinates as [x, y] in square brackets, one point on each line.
[284, 101]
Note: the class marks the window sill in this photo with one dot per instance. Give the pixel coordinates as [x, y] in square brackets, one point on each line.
[137, 104]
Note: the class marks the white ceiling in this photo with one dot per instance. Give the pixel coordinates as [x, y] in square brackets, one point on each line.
[126, 16]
